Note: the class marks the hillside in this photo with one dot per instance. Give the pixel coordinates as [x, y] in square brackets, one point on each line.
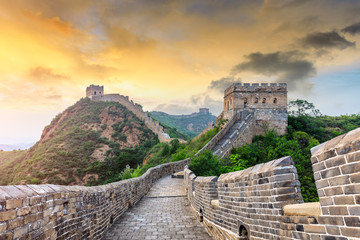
[90, 142]
[190, 125]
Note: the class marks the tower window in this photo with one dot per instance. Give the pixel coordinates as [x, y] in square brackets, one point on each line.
[275, 100]
[264, 100]
[245, 102]
[95, 93]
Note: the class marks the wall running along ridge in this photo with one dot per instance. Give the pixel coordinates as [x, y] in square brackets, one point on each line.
[138, 111]
[72, 212]
[264, 201]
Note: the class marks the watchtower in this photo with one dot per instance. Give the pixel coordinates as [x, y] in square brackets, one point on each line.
[204, 111]
[94, 90]
[267, 101]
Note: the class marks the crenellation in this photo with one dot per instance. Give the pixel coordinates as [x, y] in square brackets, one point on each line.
[267, 197]
[259, 105]
[133, 107]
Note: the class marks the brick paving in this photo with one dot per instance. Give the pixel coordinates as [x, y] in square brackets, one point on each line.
[164, 213]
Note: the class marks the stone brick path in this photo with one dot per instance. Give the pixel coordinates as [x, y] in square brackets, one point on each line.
[164, 213]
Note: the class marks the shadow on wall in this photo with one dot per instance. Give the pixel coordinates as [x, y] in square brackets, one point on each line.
[264, 201]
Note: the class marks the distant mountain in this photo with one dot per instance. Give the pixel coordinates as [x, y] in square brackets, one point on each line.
[21, 146]
[190, 125]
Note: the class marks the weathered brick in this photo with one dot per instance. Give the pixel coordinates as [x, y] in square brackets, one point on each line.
[314, 229]
[7, 215]
[352, 189]
[322, 183]
[3, 227]
[331, 220]
[314, 160]
[354, 210]
[6, 236]
[331, 191]
[350, 232]
[338, 210]
[23, 211]
[319, 166]
[351, 168]
[352, 221]
[13, 203]
[18, 232]
[332, 172]
[326, 201]
[344, 200]
[338, 181]
[336, 161]
[333, 230]
[353, 157]
[326, 155]
[15, 223]
[357, 199]
[355, 178]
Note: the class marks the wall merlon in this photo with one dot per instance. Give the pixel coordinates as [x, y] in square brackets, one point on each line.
[62, 210]
[258, 197]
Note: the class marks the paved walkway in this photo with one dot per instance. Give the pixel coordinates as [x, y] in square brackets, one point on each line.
[164, 213]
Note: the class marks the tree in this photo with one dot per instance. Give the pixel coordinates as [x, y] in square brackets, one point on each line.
[302, 108]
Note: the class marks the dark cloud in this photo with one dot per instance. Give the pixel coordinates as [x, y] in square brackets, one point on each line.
[223, 83]
[289, 67]
[326, 40]
[352, 29]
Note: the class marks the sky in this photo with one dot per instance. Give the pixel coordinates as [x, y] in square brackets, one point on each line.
[172, 55]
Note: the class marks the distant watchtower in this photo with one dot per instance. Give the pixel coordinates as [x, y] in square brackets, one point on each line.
[267, 101]
[204, 111]
[94, 90]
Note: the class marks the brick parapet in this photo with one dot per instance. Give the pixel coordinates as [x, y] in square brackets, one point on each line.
[212, 143]
[255, 197]
[72, 212]
[336, 166]
[252, 199]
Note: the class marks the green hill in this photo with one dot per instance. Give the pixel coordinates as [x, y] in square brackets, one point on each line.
[90, 142]
[190, 125]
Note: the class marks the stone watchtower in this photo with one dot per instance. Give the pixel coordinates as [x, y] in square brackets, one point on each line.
[268, 102]
[94, 90]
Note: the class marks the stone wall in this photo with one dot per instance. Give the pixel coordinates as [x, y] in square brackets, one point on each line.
[212, 143]
[268, 102]
[256, 200]
[336, 166]
[72, 212]
[245, 201]
[138, 111]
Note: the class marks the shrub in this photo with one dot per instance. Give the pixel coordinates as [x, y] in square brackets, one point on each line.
[35, 181]
[205, 164]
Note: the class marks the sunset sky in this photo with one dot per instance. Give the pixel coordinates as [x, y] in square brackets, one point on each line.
[173, 56]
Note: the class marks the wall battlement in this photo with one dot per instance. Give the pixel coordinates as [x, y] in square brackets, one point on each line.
[94, 90]
[133, 107]
[264, 201]
[72, 212]
[256, 87]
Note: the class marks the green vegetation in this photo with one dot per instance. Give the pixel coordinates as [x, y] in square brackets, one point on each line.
[64, 155]
[189, 125]
[175, 151]
[173, 132]
[307, 127]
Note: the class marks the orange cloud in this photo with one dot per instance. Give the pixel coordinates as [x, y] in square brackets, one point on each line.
[54, 23]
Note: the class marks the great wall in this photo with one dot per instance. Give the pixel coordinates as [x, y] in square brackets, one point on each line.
[96, 93]
[261, 202]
